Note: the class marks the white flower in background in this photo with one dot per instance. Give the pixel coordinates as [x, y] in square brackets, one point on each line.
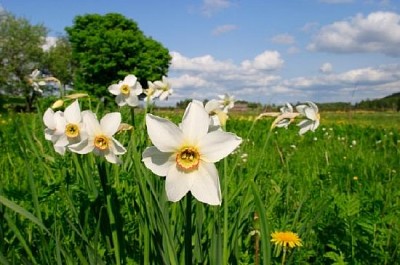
[227, 102]
[100, 138]
[163, 88]
[72, 126]
[151, 92]
[217, 116]
[286, 117]
[36, 82]
[127, 91]
[185, 155]
[53, 130]
[310, 111]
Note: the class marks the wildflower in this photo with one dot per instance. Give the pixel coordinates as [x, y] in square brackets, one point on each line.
[151, 92]
[185, 155]
[100, 138]
[286, 239]
[227, 102]
[53, 130]
[127, 91]
[217, 115]
[163, 88]
[311, 112]
[286, 117]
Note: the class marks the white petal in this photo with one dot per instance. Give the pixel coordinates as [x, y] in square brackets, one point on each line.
[110, 123]
[217, 145]
[310, 113]
[120, 100]
[114, 89]
[112, 158]
[118, 148]
[205, 184]
[91, 123]
[137, 89]
[177, 183]
[313, 106]
[305, 125]
[132, 100]
[83, 147]
[164, 96]
[62, 141]
[301, 109]
[72, 113]
[60, 149]
[48, 119]
[195, 122]
[130, 80]
[158, 162]
[211, 106]
[165, 135]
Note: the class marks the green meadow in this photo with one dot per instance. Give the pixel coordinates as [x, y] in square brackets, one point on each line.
[337, 188]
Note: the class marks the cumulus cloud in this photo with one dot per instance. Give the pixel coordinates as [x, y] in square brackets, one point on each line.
[224, 29]
[326, 68]
[268, 60]
[205, 77]
[379, 32]
[212, 6]
[283, 39]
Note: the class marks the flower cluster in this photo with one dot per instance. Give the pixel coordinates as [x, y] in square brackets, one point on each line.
[186, 154]
[81, 132]
[286, 116]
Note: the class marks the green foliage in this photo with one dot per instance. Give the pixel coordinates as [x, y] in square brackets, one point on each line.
[106, 48]
[338, 188]
[20, 52]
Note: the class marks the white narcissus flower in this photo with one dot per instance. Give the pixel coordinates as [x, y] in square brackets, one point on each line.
[286, 116]
[227, 102]
[163, 88]
[100, 138]
[218, 117]
[151, 92]
[71, 125]
[127, 91]
[310, 110]
[54, 129]
[185, 155]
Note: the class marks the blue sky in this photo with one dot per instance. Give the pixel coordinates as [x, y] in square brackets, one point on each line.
[267, 51]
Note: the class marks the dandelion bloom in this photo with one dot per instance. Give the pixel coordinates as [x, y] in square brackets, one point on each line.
[127, 91]
[286, 239]
[100, 138]
[185, 155]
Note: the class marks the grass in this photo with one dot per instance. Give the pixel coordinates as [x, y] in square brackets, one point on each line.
[337, 188]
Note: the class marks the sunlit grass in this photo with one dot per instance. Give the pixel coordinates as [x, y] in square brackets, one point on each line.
[337, 188]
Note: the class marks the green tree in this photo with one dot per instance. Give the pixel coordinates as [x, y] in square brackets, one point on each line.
[20, 52]
[106, 48]
[58, 61]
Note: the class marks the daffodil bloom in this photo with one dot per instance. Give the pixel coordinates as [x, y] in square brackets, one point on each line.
[227, 102]
[71, 125]
[151, 92]
[127, 91]
[54, 129]
[218, 117]
[310, 111]
[100, 138]
[286, 110]
[163, 88]
[185, 155]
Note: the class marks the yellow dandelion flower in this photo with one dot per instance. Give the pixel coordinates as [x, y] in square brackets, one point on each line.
[286, 239]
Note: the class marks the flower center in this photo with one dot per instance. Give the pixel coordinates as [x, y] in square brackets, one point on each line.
[71, 130]
[101, 142]
[125, 89]
[188, 158]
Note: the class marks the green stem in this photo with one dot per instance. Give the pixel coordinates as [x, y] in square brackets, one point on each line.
[226, 213]
[284, 255]
[188, 230]
[133, 116]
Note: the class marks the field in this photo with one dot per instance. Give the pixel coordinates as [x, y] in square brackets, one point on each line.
[337, 188]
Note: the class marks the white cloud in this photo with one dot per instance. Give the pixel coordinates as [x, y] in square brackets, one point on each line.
[378, 32]
[268, 60]
[205, 77]
[224, 29]
[283, 39]
[212, 6]
[326, 68]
